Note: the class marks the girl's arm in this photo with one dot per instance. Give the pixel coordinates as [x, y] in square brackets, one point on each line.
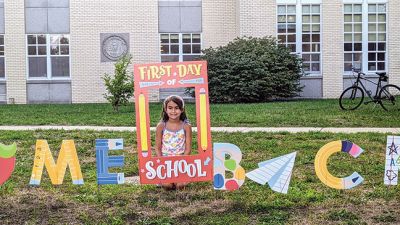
[188, 136]
[159, 129]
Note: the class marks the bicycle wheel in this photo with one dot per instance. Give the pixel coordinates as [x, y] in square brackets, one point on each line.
[389, 97]
[351, 98]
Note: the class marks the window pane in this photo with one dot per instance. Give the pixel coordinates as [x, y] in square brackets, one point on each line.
[282, 19]
[348, 18]
[1, 50]
[64, 49]
[174, 38]
[164, 49]
[315, 67]
[348, 57]
[315, 57]
[306, 9]
[169, 58]
[381, 8]
[371, 47]
[31, 50]
[306, 19]
[315, 47]
[348, 28]
[306, 28]
[186, 49]
[186, 38]
[291, 9]
[348, 47]
[54, 39]
[306, 38]
[381, 47]
[371, 56]
[381, 56]
[315, 37]
[306, 48]
[348, 8]
[372, 8]
[381, 37]
[291, 28]
[348, 66]
[282, 38]
[372, 18]
[2, 67]
[357, 57]
[357, 8]
[64, 40]
[291, 19]
[306, 57]
[41, 50]
[60, 66]
[315, 27]
[348, 37]
[315, 9]
[174, 49]
[1, 39]
[190, 57]
[357, 47]
[164, 38]
[196, 49]
[372, 37]
[281, 28]
[372, 66]
[37, 67]
[195, 38]
[357, 18]
[281, 9]
[372, 27]
[382, 18]
[382, 27]
[31, 39]
[357, 37]
[357, 28]
[41, 39]
[381, 66]
[54, 49]
[315, 19]
[291, 38]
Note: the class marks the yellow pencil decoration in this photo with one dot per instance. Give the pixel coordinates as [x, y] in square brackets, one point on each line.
[203, 120]
[143, 125]
[66, 157]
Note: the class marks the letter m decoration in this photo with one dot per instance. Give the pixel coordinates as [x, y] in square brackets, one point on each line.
[190, 168]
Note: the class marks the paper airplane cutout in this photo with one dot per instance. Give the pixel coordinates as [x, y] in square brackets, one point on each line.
[277, 172]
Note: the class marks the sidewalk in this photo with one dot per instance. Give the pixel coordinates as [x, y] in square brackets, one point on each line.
[219, 129]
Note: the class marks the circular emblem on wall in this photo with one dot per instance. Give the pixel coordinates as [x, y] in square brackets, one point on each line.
[114, 47]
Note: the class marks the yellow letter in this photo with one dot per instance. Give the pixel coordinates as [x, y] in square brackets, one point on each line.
[66, 157]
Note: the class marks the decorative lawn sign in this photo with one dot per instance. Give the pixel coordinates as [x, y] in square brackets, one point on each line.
[392, 163]
[104, 161]
[221, 165]
[7, 161]
[66, 157]
[277, 172]
[188, 168]
[321, 160]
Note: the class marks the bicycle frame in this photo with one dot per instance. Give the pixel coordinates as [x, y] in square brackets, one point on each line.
[368, 92]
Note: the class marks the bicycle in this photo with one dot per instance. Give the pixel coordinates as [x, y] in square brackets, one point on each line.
[388, 96]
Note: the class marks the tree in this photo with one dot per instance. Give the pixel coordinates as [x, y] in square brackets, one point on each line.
[119, 85]
[252, 70]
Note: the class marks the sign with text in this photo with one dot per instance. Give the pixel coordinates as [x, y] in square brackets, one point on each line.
[189, 168]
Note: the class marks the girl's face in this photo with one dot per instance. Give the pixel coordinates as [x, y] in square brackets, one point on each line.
[173, 111]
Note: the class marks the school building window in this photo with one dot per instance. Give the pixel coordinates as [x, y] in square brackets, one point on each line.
[180, 47]
[365, 38]
[299, 29]
[2, 61]
[48, 56]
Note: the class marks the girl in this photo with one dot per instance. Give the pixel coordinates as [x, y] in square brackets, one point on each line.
[173, 133]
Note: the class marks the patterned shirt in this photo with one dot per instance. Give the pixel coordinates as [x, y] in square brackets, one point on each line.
[173, 142]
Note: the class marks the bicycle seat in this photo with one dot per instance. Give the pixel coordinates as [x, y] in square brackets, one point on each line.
[381, 74]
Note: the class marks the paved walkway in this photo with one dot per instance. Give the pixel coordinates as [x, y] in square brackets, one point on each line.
[219, 129]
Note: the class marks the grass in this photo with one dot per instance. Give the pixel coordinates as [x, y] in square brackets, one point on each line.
[301, 113]
[308, 201]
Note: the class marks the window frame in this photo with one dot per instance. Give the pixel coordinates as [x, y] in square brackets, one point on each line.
[4, 58]
[49, 75]
[180, 44]
[365, 35]
[299, 31]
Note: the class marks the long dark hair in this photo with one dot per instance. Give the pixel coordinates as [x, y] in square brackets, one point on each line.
[181, 104]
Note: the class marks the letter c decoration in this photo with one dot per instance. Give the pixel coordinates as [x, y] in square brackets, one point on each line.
[321, 160]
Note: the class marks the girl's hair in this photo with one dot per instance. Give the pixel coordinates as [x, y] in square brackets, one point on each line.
[181, 104]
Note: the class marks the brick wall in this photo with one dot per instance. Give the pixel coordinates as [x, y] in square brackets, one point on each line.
[393, 41]
[139, 18]
[332, 48]
[257, 18]
[15, 50]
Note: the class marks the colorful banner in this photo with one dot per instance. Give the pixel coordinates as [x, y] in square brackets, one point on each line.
[104, 161]
[392, 157]
[321, 160]
[190, 168]
[66, 157]
[7, 161]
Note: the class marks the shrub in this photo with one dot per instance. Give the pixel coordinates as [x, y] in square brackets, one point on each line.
[119, 85]
[252, 70]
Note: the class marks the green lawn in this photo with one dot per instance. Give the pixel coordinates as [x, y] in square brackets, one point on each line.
[302, 113]
[308, 200]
